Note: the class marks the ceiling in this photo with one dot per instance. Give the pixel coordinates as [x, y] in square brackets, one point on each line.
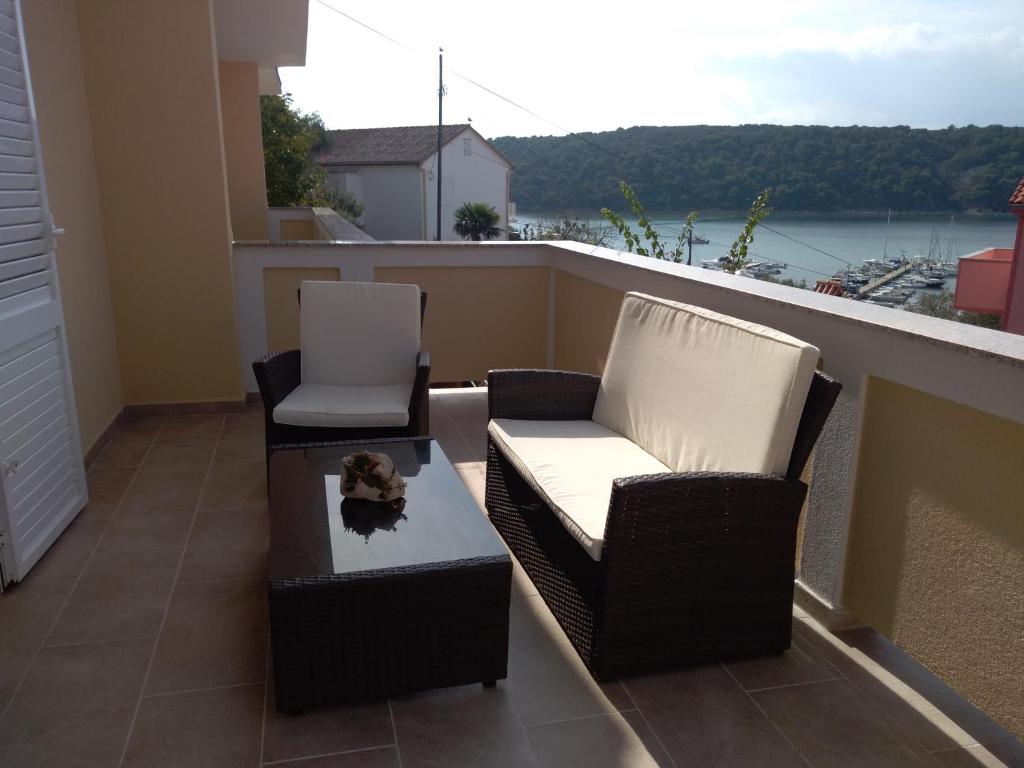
[271, 33]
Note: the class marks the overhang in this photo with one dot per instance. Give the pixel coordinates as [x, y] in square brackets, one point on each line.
[271, 33]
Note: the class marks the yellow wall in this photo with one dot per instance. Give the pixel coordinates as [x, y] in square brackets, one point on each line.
[585, 316]
[51, 29]
[298, 229]
[152, 82]
[243, 149]
[281, 302]
[480, 318]
[936, 551]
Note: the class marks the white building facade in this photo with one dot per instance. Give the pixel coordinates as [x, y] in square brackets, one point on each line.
[393, 172]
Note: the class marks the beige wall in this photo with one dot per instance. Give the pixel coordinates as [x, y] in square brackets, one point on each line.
[480, 318]
[936, 558]
[281, 302]
[243, 149]
[298, 229]
[152, 82]
[55, 61]
[585, 315]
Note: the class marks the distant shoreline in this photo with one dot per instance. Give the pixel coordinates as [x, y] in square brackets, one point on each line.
[794, 214]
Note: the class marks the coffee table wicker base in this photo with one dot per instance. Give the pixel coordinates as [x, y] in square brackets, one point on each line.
[352, 637]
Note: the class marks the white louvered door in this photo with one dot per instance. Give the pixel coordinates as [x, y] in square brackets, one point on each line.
[41, 473]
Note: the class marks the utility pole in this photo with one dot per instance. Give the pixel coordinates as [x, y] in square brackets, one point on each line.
[440, 96]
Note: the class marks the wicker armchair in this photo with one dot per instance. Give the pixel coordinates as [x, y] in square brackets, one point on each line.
[692, 567]
[280, 374]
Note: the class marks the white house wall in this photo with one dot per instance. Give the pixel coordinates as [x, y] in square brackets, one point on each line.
[390, 194]
[478, 177]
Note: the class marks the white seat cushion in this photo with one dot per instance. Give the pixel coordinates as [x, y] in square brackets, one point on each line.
[572, 464]
[703, 391]
[322, 405]
[359, 334]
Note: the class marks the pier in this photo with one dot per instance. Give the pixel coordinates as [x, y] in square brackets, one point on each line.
[886, 278]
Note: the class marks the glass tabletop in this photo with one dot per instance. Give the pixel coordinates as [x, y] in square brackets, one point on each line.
[316, 532]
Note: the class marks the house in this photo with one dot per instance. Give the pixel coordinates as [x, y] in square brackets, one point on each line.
[992, 280]
[393, 172]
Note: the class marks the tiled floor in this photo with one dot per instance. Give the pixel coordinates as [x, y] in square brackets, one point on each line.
[141, 640]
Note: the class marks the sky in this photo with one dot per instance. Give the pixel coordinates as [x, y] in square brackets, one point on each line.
[599, 66]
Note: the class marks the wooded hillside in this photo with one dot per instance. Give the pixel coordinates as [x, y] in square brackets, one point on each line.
[810, 168]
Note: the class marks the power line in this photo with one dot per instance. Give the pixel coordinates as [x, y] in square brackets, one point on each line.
[367, 26]
[473, 82]
[806, 245]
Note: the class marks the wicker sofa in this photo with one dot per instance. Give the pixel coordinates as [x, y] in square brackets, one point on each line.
[655, 508]
[360, 373]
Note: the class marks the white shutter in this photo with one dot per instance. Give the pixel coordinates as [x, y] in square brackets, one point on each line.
[41, 474]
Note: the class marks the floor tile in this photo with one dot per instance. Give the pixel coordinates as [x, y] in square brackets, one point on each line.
[215, 634]
[799, 664]
[62, 564]
[702, 717]
[469, 725]
[120, 595]
[227, 544]
[151, 517]
[253, 413]
[182, 470]
[473, 477]
[832, 724]
[26, 616]
[605, 741]
[123, 451]
[1008, 753]
[547, 679]
[191, 429]
[138, 428]
[235, 485]
[921, 716]
[75, 708]
[975, 723]
[324, 731]
[242, 442]
[106, 489]
[384, 757]
[522, 586]
[447, 433]
[214, 729]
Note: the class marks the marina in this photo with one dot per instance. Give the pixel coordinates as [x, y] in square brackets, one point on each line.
[857, 250]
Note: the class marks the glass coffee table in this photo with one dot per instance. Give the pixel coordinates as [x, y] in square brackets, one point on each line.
[368, 599]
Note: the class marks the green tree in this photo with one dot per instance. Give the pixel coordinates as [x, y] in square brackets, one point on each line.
[566, 227]
[477, 221]
[809, 168]
[289, 140]
[654, 245]
[941, 305]
[737, 258]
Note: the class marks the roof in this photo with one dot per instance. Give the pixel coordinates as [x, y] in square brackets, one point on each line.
[829, 287]
[1017, 198]
[386, 146]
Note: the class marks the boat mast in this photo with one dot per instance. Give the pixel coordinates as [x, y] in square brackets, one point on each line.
[885, 242]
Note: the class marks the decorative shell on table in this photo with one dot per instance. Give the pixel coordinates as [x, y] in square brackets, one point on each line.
[371, 476]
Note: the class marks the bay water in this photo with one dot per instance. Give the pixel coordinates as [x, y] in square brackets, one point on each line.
[816, 246]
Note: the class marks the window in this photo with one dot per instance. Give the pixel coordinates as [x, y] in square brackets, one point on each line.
[467, 147]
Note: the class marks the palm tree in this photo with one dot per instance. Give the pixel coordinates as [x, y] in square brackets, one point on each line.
[477, 221]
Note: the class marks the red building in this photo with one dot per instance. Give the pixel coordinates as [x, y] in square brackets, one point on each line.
[992, 280]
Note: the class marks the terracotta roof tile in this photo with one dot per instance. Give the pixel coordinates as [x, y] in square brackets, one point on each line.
[829, 287]
[382, 146]
[1017, 198]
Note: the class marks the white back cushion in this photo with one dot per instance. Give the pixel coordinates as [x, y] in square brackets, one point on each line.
[703, 391]
[359, 334]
